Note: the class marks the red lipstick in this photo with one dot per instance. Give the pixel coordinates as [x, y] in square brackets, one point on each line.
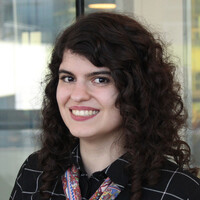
[82, 108]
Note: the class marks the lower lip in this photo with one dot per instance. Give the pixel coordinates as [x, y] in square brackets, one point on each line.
[82, 118]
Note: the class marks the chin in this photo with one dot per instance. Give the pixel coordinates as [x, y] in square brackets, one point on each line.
[81, 134]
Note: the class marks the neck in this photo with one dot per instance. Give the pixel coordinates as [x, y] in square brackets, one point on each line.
[96, 156]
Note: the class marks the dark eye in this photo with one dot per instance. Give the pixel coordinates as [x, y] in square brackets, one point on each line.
[67, 79]
[101, 80]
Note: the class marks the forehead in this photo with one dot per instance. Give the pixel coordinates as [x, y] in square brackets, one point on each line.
[73, 61]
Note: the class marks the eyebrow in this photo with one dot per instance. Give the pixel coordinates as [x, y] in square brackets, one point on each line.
[62, 71]
[88, 75]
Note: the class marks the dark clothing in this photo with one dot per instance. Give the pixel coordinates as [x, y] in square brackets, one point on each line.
[116, 172]
[175, 184]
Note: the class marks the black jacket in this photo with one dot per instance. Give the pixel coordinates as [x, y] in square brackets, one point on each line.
[174, 184]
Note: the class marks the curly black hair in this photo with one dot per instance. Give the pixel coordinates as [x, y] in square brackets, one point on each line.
[149, 97]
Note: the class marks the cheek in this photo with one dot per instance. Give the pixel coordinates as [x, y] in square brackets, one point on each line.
[62, 95]
[109, 102]
[114, 114]
[108, 99]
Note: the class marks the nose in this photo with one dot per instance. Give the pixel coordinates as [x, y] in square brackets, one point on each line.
[80, 92]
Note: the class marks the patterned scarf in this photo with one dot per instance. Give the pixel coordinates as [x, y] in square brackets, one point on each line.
[107, 190]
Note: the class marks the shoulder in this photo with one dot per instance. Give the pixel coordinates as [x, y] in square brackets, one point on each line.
[30, 173]
[27, 180]
[32, 161]
[31, 166]
[175, 184]
[182, 178]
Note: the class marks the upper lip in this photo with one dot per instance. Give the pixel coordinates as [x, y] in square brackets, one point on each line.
[82, 108]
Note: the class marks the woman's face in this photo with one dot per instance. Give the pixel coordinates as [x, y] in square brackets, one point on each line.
[86, 98]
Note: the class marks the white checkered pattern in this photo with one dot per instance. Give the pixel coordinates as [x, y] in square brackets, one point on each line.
[175, 184]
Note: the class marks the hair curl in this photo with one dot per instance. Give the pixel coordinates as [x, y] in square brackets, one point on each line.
[149, 97]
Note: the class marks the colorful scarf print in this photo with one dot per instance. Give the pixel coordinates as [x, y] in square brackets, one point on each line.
[107, 190]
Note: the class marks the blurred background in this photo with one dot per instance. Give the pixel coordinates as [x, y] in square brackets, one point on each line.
[28, 29]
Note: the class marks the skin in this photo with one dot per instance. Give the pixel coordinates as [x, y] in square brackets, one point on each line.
[87, 88]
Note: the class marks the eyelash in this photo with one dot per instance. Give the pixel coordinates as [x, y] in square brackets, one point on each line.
[101, 80]
[105, 80]
[63, 78]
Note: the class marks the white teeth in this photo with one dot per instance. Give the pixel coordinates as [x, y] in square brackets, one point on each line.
[90, 112]
[84, 112]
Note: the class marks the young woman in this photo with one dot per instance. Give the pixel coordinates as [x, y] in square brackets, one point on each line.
[112, 114]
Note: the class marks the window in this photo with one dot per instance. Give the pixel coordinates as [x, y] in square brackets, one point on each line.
[28, 29]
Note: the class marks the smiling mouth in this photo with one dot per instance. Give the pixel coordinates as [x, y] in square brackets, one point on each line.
[84, 113]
